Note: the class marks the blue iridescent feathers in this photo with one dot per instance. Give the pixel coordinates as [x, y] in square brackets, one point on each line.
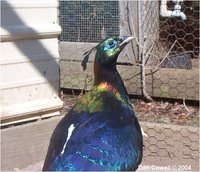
[101, 131]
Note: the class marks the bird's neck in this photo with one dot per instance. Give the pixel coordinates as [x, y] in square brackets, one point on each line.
[109, 78]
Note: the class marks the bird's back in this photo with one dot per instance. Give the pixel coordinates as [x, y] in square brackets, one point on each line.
[104, 140]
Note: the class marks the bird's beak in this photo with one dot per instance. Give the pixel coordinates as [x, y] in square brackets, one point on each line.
[125, 41]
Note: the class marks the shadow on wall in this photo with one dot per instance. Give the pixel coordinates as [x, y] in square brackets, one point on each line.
[30, 42]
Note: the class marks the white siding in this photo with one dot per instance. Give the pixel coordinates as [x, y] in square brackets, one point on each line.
[29, 81]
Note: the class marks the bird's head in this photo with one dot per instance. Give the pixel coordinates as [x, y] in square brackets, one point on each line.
[108, 50]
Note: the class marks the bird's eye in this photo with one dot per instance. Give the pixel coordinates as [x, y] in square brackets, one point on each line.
[111, 43]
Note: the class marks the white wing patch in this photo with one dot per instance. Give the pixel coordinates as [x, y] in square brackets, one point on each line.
[70, 130]
[143, 133]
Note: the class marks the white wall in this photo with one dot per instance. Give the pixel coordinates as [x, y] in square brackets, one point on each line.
[29, 62]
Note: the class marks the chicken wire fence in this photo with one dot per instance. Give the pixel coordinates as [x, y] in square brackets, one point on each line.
[171, 50]
[84, 21]
[174, 148]
[170, 45]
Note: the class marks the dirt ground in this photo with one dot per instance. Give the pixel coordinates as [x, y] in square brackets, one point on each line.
[157, 111]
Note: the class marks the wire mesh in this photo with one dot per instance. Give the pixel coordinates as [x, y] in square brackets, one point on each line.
[185, 32]
[172, 146]
[170, 42]
[175, 44]
[87, 21]
[176, 37]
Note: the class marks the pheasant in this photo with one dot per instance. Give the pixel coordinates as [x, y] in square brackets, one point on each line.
[101, 131]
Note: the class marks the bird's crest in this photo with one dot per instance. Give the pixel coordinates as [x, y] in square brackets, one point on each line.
[86, 58]
[87, 54]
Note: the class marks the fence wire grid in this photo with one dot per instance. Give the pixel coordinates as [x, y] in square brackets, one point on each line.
[84, 21]
[175, 43]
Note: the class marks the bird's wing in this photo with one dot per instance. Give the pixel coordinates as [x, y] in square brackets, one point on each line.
[96, 141]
